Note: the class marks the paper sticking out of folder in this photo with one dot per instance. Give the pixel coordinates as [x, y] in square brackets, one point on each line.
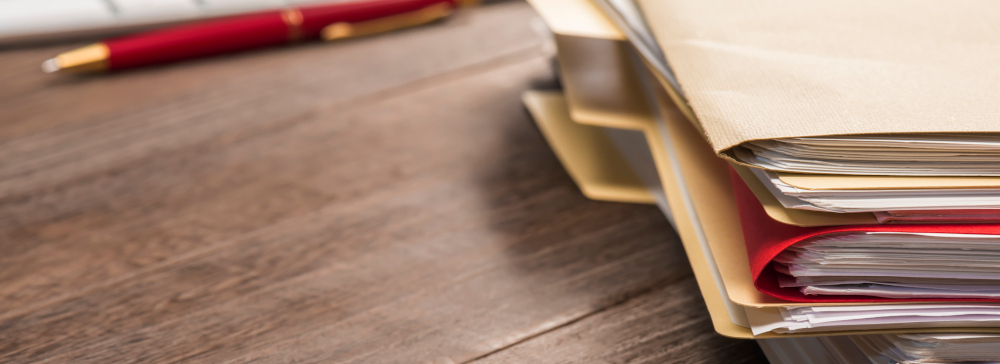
[836, 154]
[869, 317]
[812, 230]
[894, 155]
[893, 265]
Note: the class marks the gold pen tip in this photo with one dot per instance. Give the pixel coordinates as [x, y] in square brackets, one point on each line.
[50, 66]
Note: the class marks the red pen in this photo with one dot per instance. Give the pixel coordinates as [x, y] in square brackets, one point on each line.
[257, 30]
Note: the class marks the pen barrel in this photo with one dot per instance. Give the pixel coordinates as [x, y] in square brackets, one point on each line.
[246, 32]
[198, 40]
[315, 18]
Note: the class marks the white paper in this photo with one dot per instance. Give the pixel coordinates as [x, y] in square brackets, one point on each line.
[887, 155]
[867, 317]
[893, 265]
[881, 200]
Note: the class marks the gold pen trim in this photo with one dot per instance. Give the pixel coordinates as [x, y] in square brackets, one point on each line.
[425, 15]
[90, 58]
[293, 21]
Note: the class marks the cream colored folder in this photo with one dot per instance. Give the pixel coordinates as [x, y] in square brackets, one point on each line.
[586, 153]
[699, 42]
[722, 232]
[708, 190]
[552, 106]
[582, 30]
[605, 91]
[773, 69]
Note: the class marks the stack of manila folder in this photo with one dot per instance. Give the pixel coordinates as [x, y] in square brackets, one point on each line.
[787, 256]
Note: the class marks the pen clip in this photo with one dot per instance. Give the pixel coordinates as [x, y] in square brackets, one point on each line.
[342, 30]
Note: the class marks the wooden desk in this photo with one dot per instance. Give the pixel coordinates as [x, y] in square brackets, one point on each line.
[376, 200]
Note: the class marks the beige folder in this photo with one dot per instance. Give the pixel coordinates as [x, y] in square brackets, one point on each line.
[783, 68]
[550, 105]
[723, 233]
[709, 190]
[770, 69]
[586, 153]
[605, 91]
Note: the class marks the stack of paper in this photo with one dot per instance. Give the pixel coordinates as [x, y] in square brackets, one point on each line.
[948, 348]
[893, 265]
[885, 349]
[880, 155]
[831, 167]
[976, 197]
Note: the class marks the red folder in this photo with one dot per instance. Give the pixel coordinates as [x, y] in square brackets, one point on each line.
[765, 238]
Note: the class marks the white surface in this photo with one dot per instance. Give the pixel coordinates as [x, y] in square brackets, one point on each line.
[38, 20]
[138, 10]
[32, 16]
[230, 6]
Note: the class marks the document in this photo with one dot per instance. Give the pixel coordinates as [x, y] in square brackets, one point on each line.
[931, 348]
[868, 263]
[892, 155]
[871, 317]
[893, 265]
[875, 200]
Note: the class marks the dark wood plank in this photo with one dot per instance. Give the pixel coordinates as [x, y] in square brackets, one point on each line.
[139, 180]
[396, 207]
[408, 254]
[119, 118]
[662, 326]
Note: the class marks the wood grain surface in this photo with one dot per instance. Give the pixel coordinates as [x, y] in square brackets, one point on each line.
[384, 199]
